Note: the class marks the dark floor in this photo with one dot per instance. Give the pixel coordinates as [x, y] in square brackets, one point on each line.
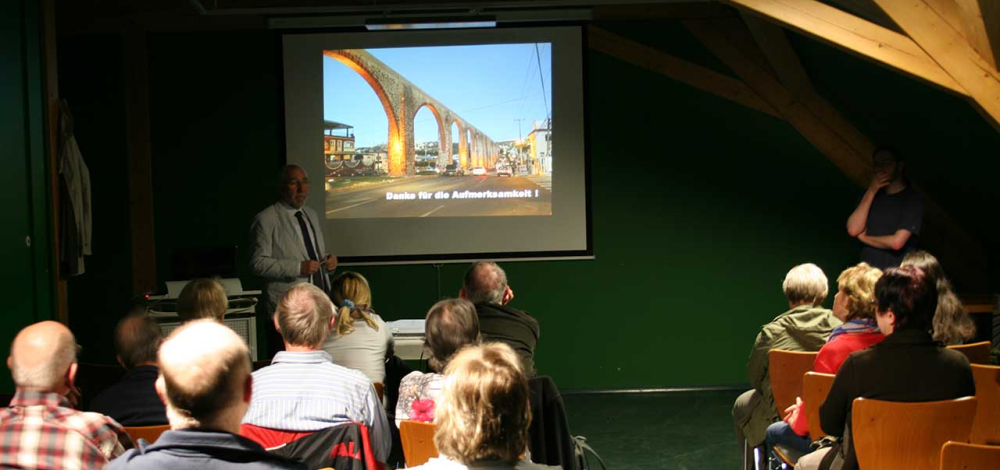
[676, 430]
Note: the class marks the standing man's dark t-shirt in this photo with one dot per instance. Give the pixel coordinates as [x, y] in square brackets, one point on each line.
[889, 213]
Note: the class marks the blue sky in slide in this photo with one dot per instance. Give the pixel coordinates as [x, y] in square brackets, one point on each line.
[490, 86]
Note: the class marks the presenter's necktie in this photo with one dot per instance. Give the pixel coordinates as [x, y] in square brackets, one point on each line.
[318, 279]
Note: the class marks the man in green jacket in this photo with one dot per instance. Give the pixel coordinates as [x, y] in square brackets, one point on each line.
[804, 327]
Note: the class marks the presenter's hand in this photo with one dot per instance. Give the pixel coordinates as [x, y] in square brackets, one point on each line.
[330, 262]
[308, 267]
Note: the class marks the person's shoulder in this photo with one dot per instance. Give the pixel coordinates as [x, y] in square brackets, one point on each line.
[954, 358]
[526, 465]
[508, 310]
[413, 377]
[128, 460]
[268, 214]
[91, 423]
[440, 463]
[347, 377]
[421, 378]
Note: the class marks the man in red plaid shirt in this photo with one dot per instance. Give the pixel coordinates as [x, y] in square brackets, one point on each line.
[40, 429]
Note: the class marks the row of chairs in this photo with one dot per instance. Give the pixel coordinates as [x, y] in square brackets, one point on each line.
[791, 377]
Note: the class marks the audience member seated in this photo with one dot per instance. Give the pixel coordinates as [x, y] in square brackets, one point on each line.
[908, 366]
[360, 339]
[952, 324]
[202, 298]
[804, 327]
[854, 305]
[451, 325]
[206, 386]
[486, 286]
[303, 391]
[40, 430]
[484, 414]
[133, 400]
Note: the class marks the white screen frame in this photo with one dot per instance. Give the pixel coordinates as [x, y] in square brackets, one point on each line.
[564, 234]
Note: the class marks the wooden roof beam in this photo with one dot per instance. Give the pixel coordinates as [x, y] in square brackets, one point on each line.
[681, 70]
[975, 20]
[856, 35]
[948, 47]
[785, 62]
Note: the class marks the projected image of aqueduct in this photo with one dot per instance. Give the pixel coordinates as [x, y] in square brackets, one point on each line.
[401, 101]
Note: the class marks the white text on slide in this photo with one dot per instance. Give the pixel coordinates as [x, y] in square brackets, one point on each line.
[424, 195]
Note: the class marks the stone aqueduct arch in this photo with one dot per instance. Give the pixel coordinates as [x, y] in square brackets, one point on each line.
[401, 100]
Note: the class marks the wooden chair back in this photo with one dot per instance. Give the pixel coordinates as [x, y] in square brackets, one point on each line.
[898, 435]
[418, 442]
[978, 353]
[815, 388]
[786, 369]
[149, 433]
[379, 389]
[962, 456]
[986, 427]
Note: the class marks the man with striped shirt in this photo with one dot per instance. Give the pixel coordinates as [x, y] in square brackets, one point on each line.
[303, 391]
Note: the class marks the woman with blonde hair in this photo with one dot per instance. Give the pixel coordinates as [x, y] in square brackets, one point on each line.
[952, 324]
[483, 419]
[359, 339]
[202, 298]
[854, 305]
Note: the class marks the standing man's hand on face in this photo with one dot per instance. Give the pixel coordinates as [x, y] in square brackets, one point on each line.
[330, 263]
[308, 267]
[881, 179]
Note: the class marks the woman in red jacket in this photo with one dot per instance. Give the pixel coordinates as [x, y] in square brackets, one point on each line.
[854, 305]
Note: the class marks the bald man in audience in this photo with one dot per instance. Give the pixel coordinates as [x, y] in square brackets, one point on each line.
[303, 391]
[133, 400]
[206, 384]
[40, 429]
[486, 286]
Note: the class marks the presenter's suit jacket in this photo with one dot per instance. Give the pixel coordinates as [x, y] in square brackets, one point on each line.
[278, 250]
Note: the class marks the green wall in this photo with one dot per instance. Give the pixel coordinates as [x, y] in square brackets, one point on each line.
[25, 280]
[700, 206]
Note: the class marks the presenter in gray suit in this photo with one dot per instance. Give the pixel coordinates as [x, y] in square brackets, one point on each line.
[288, 242]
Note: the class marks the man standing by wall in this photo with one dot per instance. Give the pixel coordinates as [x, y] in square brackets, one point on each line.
[890, 214]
